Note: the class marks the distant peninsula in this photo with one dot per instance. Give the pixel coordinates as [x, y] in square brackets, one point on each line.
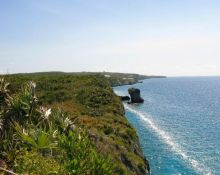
[115, 78]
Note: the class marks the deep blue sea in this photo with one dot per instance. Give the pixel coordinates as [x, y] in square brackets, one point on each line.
[178, 124]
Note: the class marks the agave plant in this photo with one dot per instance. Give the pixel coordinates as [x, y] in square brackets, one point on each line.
[17, 108]
[24, 103]
[4, 91]
[68, 124]
[61, 121]
[4, 101]
[44, 117]
[1, 124]
[36, 138]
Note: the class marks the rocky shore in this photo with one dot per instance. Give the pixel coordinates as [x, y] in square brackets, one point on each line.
[135, 96]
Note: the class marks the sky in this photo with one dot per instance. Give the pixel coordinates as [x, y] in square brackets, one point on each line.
[153, 37]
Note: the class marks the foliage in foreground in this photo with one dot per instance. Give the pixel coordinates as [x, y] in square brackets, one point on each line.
[38, 140]
[93, 106]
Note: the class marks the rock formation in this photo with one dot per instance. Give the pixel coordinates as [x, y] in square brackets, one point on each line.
[135, 95]
[125, 98]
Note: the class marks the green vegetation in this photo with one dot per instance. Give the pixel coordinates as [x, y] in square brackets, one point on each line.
[114, 78]
[36, 140]
[85, 132]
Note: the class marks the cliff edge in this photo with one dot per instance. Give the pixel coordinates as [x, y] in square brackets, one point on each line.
[93, 106]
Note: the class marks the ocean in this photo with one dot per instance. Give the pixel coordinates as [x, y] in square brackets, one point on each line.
[178, 124]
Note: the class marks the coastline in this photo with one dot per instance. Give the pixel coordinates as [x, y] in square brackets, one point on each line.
[90, 100]
[146, 119]
[124, 106]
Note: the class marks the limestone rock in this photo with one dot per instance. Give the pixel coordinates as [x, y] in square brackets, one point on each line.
[135, 95]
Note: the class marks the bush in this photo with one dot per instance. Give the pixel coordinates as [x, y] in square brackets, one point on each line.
[108, 130]
[95, 97]
[31, 162]
[81, 157]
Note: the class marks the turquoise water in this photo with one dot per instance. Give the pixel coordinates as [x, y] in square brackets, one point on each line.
[179, 124]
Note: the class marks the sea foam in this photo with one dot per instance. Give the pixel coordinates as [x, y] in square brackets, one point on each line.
[165, 137]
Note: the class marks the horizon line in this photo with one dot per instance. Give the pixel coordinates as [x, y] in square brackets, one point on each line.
[59, 71]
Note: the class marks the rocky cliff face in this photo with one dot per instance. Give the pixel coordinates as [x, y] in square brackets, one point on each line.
[135, 95]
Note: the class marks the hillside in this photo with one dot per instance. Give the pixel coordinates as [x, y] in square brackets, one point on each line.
[92, 106]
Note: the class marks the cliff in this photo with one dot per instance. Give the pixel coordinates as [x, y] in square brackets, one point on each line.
[93, 106]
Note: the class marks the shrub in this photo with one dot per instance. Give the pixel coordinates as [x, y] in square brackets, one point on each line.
[94, 97]
[31, 162]
[108, 130]
[81, 157]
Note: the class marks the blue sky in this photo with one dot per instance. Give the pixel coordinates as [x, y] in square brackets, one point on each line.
[166, 37]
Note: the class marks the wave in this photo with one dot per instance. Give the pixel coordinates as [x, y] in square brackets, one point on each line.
[176, 148]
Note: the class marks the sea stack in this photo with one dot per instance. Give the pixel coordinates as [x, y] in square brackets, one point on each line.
[135, 95]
